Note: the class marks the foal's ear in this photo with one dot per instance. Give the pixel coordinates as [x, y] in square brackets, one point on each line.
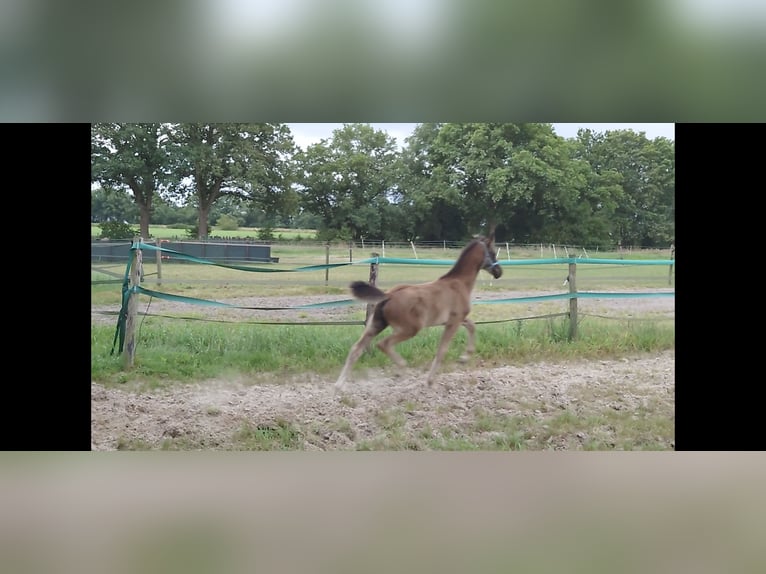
[491, 239]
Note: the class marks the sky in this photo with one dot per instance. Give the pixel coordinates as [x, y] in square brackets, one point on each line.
[307, 134]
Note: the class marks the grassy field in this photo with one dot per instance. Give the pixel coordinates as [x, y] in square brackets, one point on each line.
[296, 352]
[169, 232]
[210, 281]
[182, 346]
[173, 351]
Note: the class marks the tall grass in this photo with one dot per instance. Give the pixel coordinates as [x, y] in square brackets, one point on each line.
[170, 351]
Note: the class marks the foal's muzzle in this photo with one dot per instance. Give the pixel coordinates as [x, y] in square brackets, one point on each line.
[495, 269]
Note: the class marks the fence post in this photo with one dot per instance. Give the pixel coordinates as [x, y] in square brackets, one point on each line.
[373, 281]
[129, 352]
[672, 258]
[159, 262]
[371, 306]
[572, 302]
[350, 251]
[327, 263]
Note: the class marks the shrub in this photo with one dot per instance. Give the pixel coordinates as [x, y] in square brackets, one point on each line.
[325, 234]
[228, 223]
[266, 233]
[117, 230]
[193, 231]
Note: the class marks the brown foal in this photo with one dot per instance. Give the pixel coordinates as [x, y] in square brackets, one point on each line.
[409, 308]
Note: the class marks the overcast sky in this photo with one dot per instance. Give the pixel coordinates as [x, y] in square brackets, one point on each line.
[307, 134]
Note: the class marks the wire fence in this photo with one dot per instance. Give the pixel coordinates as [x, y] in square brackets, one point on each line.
[134, 277]
[233, 249]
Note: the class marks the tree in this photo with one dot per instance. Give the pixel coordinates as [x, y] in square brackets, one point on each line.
[494, 174]
[430, 206]
[130, 157]
[109, 204]
[643, 171]
[244, 160]
[350, 182]
[167, 213]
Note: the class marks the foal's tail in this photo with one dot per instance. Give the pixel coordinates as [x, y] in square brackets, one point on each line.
[366, 292]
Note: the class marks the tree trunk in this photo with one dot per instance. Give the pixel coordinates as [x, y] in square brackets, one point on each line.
[145, 213]
[202, 222]
[143, 199]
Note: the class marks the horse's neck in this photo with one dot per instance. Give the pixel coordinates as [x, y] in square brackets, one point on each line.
[464, 270]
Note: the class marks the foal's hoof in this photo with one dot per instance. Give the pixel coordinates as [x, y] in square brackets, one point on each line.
[463, 358]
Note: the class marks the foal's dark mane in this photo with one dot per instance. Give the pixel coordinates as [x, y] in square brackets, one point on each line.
[460, 259]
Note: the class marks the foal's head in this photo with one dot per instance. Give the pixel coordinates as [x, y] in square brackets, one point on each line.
[490, 263]
[477, 255]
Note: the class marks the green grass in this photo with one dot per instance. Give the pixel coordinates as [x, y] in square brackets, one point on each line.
[279, 435]
[180, 351]
[392, 435]
[647, 428]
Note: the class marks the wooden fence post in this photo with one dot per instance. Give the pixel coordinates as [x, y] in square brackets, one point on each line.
[672, 258]
[327, 263]
[373, 281]
[159, 262]
[572, 302]
[371, 306]
[129, 352]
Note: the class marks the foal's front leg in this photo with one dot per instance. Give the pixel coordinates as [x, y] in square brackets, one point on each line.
[470, 347]
[449, 331]
[356, 350]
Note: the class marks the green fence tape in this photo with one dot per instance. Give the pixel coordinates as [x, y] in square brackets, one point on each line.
[126, 290]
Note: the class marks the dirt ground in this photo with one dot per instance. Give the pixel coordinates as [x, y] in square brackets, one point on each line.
[393, 409]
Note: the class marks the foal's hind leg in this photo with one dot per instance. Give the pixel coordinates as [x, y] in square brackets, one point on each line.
[449, 331]
[387, 344]
[471, 345]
